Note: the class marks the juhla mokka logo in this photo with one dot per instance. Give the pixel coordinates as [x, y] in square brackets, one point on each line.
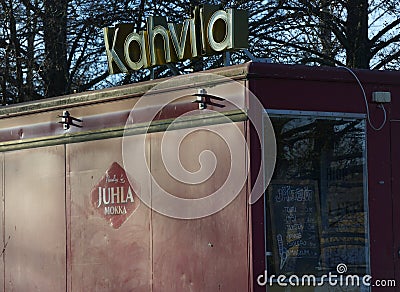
[113, 197]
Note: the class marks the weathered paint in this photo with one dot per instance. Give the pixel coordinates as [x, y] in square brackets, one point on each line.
[208, 254]
[102, 258]
[79, 251]
[34, 189]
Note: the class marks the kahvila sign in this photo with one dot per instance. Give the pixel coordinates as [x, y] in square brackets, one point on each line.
[207, 32]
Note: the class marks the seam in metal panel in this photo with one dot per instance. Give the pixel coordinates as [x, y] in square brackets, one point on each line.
[151, 221]
[367, 215]
[66, 215]
[247, 209]
[3, 199]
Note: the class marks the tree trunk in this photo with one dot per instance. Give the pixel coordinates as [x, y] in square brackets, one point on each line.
[325, 31]
[358, 52]
[30, 62]
[55, 38]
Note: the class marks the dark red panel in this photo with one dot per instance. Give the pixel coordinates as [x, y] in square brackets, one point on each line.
[325, 89]
[395, 158]
[380, 205]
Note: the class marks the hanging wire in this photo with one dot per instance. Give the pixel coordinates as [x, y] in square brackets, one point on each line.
[366, 102]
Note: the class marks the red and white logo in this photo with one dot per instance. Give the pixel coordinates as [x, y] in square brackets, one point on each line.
[113, 197]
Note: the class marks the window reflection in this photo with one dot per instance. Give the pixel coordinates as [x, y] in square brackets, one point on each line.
[324, 156]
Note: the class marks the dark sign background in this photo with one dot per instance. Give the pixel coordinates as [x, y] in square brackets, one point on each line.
[296, 221]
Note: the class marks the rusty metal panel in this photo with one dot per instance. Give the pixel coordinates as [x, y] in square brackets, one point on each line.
[101, 256]
[35, 257]
[207, 254]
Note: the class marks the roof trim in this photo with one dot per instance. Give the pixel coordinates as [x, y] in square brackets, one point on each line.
[236, 72]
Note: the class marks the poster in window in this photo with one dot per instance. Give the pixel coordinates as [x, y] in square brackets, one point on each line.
[295, 223]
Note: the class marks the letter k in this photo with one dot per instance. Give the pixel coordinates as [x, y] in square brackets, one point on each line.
[112, 55]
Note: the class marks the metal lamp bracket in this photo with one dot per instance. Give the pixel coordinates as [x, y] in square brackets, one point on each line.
[67, 120]
[204, 99]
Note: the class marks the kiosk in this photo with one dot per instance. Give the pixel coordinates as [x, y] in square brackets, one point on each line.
[85, 178]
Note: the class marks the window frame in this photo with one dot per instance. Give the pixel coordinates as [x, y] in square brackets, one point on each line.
[272, 113]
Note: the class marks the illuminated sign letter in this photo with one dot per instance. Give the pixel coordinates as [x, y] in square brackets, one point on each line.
[219, 31]
[160, 51]
[112, 55]
[135, 50]
[181, 44]
[206, 11]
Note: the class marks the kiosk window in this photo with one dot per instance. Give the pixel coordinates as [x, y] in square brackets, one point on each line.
[316, 208]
